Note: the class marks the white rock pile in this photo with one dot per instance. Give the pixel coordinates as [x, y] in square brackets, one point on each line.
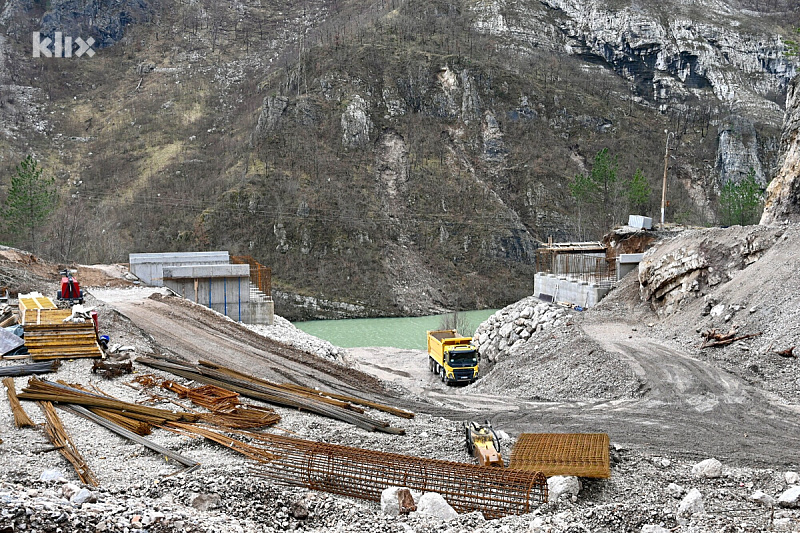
[516, 323]
[284, 331]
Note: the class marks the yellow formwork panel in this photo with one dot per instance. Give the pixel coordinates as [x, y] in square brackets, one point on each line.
[40, 310]
[31, 301]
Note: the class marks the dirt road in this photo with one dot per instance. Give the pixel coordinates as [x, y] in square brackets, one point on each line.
[194, 333]
[686, 408]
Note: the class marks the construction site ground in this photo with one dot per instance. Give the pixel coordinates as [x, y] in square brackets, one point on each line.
[671, 411]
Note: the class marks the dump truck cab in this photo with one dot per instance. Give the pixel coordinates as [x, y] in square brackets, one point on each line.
[453, 358]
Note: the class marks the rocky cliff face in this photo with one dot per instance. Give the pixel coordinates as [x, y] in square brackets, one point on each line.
[710, 52]
[104, 21]
[395, 158]
[669, 57]
[676, 272]
[783, 193]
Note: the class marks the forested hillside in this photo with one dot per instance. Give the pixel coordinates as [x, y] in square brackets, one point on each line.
[385, 157]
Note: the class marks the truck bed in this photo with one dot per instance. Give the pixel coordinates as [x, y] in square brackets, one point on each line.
[443, 334]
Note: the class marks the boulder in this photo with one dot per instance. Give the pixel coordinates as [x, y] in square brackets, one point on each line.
[397, 500]
[433, 504]
[68, 490]
[204, 502]
[675, 490]
[83, 496]
[558, 486]
[299, 509]
[784, 524]
[792, 478]
[710, 468]
[764, 499]
[790, 498]
[52, 475]
[691, 504]
[653, 528]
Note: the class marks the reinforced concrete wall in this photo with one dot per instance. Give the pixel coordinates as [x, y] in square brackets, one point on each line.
[207, 278]
[223, 288]
[626, 263]
[150, 267]
[562, 289]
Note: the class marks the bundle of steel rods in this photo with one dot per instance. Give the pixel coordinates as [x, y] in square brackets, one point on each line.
[364, 474]
[350, 399]
[42, 367]
[265, 391]
[38, 389]
[21, 418]
[248, 450]
[243, 417]
[226, 411]
[54, 430]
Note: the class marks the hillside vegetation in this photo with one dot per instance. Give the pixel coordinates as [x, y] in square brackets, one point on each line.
[404, 157]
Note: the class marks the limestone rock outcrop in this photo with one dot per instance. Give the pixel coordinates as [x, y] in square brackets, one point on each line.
[683, 268]
[783, 193]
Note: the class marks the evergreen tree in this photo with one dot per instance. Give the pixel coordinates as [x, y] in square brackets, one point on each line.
[741, 203]
[30, 201]
[638, 193]
[597, 193]
[584, 191]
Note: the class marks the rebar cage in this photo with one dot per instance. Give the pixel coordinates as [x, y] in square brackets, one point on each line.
[364, 474]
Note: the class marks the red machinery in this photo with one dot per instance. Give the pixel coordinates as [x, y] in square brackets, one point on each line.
[70, 290]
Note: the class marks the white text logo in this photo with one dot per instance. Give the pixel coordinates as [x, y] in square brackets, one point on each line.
[62, 47]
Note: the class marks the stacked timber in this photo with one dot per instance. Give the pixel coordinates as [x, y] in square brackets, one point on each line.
[7, 316]
[48, 336]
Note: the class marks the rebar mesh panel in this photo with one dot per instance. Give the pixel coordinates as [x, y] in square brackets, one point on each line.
[364, 474]
[260, 275]
[562, 454]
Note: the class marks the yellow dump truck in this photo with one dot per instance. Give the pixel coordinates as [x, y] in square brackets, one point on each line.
[453, 358]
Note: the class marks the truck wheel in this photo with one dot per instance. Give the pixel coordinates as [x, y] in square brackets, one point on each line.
[442, 374]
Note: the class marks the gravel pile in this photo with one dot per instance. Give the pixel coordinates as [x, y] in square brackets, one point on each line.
[287, 333]
[536, 350]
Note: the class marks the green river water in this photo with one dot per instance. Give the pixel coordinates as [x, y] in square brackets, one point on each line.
[406, 332]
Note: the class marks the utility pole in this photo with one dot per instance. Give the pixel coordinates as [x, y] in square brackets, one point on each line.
[664, 184]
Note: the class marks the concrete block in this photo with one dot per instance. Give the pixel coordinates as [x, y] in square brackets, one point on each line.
[638, 221]
[261, 313]
[174, 258]
[630, 258]
[627, 263]
[575, 292]
[150, 267]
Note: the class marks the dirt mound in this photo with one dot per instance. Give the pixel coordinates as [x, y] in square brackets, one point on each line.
[550, 359]
[22, 271]
[761, 298]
